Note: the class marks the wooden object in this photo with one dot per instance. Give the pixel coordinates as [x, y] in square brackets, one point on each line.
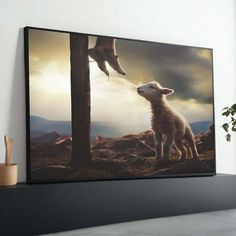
[8, 170]
[80, 100]
[8, 145]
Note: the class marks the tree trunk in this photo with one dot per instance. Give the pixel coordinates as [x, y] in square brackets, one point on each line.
[80, 100]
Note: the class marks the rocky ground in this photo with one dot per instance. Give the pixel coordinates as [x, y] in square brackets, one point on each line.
[128, 156]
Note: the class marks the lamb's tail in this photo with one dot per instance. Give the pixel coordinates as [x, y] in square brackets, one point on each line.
[190, 140]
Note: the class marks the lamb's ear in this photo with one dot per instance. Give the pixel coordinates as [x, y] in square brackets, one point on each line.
[167, 91]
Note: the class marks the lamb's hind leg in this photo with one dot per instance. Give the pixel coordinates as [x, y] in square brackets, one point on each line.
[167, 147]
[189, 151]
[182, 149]
[158, 139]
[191, 142]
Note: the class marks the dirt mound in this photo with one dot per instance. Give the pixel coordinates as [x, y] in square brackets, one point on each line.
[127, 156]
[140, 145]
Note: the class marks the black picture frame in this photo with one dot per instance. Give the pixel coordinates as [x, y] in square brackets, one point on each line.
[31, 179]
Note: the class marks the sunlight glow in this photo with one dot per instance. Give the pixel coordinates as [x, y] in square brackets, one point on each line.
[51, 81]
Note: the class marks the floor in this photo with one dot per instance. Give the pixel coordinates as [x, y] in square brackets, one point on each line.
[216, 223]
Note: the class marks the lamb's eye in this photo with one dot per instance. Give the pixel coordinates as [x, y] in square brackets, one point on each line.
[151, 86]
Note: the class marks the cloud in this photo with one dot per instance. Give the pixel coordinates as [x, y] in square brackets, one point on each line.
[192, 110]
[54, 106]
[49, 47]
[187, 70]
[117, 103]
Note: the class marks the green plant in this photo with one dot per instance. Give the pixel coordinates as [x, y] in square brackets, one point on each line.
[229, 112]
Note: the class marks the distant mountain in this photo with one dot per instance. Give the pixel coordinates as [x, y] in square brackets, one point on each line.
[35, 133]
[200, 127]
[40, 126]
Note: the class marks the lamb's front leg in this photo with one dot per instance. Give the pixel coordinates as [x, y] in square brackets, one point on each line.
[158, 140]
[167, 147]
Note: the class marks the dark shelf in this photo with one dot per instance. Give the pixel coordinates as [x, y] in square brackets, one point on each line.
[45, 208]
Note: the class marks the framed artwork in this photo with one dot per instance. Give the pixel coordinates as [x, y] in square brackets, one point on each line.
[102, 107]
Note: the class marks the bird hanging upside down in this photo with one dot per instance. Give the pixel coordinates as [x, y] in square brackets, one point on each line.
[103, 51]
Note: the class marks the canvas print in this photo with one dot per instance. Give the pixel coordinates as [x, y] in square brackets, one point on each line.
[110, 108]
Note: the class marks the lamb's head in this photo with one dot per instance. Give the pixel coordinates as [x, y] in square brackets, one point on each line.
[153, 91]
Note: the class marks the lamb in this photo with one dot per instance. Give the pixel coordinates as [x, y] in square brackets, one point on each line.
[169, 127]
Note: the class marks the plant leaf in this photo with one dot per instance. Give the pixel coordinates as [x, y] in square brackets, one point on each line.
[226, 113]
[228, 137]
[234, 107]
[225, 108]
[225, 126]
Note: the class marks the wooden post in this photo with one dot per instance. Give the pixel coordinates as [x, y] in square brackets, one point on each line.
[80, 100]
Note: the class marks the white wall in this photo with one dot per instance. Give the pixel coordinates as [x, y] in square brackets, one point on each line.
[207, 23]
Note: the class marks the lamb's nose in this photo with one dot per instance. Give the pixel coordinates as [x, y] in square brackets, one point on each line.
[139, 90]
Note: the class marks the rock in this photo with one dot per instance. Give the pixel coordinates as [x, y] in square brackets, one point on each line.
[64, 144]
[188, 167]
[141, 145]
[130, 155]
[48, 138]
[205, 141]
[57, 172]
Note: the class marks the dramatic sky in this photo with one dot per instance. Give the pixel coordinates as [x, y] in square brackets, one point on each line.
[187, 70]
